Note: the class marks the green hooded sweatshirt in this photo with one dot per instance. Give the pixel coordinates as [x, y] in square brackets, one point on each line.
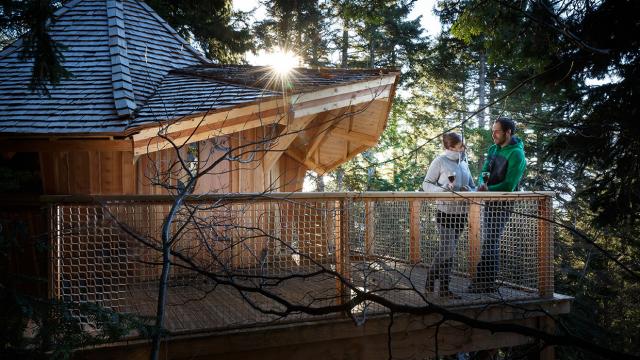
[506, 165]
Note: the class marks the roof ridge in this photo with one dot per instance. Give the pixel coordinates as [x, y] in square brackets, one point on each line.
[123, 95]
[186, 71]
[173, 31]
[17, 44]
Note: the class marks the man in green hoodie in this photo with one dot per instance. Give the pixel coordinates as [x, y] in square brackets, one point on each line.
[505, 164]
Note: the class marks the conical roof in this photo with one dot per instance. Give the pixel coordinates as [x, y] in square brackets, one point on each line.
[131, 70]
[118, 51]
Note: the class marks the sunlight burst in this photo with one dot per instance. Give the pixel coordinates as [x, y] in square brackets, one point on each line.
[282, 61]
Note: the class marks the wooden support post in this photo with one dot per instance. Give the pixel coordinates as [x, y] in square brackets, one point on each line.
[369, 228]
[53, 255]
[474, 238]
[545, 249]
[414, 231]
[328, 220]
[342, 253]
[546, 352]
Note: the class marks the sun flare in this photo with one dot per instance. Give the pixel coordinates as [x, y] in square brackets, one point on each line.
[281, 61]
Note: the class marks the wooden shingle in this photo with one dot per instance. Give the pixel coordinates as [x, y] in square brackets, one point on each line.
[107, 52]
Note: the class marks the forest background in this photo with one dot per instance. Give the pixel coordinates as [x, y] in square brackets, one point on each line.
[566, 71]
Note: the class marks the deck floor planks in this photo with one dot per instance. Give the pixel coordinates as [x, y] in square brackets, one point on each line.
[224, 307]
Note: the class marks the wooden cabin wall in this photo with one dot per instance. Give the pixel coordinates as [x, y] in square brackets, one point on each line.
[218, 179]
[153, 168]
[248, 176]
[87, 172]
[291, 174]
[226, 176]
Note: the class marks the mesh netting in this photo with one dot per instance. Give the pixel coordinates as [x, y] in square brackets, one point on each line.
[238, 262]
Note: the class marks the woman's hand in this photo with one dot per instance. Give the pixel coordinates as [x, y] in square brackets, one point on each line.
[465, 188]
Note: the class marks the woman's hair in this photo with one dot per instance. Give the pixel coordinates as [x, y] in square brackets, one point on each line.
[451, 139]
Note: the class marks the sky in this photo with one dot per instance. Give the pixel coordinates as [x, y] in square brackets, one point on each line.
[429, 21]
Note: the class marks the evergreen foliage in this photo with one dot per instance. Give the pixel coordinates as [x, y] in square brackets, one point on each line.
[222, 34]
[567, 71]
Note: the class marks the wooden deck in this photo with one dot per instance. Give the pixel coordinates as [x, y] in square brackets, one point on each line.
[377, 243]
[195, 305]
[408, 337]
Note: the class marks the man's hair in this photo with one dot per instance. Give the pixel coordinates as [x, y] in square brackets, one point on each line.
[507, 124]
[451, 139]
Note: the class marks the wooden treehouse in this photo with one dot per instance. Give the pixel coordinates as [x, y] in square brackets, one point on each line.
[108, 149]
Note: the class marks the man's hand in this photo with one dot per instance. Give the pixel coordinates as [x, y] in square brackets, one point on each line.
[465, 188]
[483, 187]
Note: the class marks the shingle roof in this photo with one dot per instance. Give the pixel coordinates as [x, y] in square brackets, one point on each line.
[299, 80]
[130, 68]
[181, 94]
[204, 88]
[117, 52]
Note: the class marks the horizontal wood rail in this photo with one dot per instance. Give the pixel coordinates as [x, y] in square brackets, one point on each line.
[382, 195]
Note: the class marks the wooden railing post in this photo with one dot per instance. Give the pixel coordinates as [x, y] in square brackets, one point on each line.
[342, 252]
[545, 248]
[414, 231]
[474, 237]
[369, 228]
[54, 246]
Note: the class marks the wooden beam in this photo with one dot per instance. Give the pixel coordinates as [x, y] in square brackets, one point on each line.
[339, 339]
[323, 131]
[298, 156]
[548, 325]
[545, 249]
[474, 238]
[369, 227]
[286, 137]
[343, 101]
[307, 98]
[343, 264]
[414, 231]
[203, 132]
[216, 116]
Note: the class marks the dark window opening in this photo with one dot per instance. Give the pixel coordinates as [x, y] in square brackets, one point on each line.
[20, 173]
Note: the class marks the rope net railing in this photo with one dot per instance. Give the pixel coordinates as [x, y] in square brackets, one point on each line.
[238, 261]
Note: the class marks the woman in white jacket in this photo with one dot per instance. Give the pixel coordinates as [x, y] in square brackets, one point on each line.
[448, 172]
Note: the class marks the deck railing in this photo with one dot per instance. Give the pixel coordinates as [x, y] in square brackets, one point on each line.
[234, 254]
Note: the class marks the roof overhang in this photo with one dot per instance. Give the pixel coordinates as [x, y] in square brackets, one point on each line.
[298, 114]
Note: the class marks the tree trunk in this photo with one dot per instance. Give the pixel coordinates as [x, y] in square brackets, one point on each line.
[372, 51]
[345, 45]
[319, 183]
[482, 71]
[164, 277]
[492, 91]
[340, 178]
